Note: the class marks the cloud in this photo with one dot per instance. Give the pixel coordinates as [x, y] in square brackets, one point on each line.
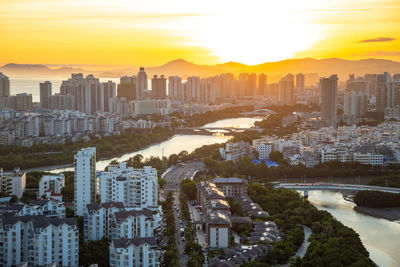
[380, 54]
[377, 40]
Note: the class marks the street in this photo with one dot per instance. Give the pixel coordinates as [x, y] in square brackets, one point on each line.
[180, 172]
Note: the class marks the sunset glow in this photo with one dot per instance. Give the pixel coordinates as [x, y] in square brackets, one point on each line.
[123, 32]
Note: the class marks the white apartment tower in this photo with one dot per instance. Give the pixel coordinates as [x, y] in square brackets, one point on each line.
[4, 85]
[54, 183]
[85, 179]
[132, 187]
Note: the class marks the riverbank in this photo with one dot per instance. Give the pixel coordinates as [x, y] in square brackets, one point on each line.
[390, 214]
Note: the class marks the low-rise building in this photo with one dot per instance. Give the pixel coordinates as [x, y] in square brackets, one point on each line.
[54, 183]
[231, 187]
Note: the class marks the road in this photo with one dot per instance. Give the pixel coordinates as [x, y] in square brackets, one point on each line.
[176, 174]
[173, 179]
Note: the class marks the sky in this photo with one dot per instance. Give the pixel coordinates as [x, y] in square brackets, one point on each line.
[153, 32]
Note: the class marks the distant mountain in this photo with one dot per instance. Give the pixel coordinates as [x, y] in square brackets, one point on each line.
[36, 69]
[184, 68]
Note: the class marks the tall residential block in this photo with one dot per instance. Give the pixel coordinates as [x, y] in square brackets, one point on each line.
[329, 88]
[262, 84]
[300, 82]
[85, 179]
[141, 83]
[175, 88]
[127, 88]
[159, 87]
[286, 90]
[45, 93]
[4, 85]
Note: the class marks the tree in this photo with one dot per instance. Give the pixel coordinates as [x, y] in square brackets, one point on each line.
[275, 156]
[94, 252]
[188, 188]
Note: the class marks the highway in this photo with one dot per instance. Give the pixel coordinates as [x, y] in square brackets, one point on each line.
[176, 174]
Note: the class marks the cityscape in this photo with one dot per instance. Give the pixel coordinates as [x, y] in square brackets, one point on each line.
[276, 144]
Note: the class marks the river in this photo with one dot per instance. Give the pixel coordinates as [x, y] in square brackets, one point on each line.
[380, 237]
[173, 145]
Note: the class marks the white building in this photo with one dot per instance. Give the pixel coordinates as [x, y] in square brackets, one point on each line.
[234, 151]
[97, 220]
[54, 183]
[134, 252]
[134, 223]
[48, 208]
[133, 187]
[38, 240]
[369, 158]
[12, 183]
[85, 179]
[263, 149]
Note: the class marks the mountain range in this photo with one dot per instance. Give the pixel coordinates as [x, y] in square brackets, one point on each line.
[185, 68]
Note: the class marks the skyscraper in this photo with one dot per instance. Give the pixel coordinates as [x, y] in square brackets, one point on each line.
[286, 90]
[193, 89]
[141, 83]
[108, 93]
[175, 88]
[262, 84]
[158, 87]
[383, 93]
[45, 93]
[252, 88]
[329, 99]
[4, 85]
[300, 82]
[85, 179]
[243, 84]
[127, 88]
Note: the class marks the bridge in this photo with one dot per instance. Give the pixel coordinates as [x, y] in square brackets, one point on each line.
[305, 187]
[227, 129]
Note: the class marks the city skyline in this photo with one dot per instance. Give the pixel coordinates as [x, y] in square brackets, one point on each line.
[155, 32]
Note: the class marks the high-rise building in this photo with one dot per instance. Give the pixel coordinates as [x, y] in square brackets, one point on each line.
[262, 84]
[329, 88]
[175, 88]
[300, 82]
[85, 179]
[132, 187]
[286, 90]
[108, 93]
[383, 92]
[243, 84]
[127, 88]
[355, 104]
[4, 85]
[193, 84]
[61, 102]
[159, 87]
[207, 91]
[141, 83]
[45, 93]
[252, 88]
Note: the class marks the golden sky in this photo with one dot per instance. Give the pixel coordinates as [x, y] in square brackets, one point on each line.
[153, 32]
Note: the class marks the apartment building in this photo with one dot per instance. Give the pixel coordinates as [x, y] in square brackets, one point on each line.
[13, 183]
[52, 183]
[134, 252]
[231, 187]
[39, 240]
[132, 187]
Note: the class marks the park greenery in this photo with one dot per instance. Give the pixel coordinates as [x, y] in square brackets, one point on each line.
[58, 154]
[171, 251]
[377, 199]
[94, 252]
[331, 243]
[390, 181]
